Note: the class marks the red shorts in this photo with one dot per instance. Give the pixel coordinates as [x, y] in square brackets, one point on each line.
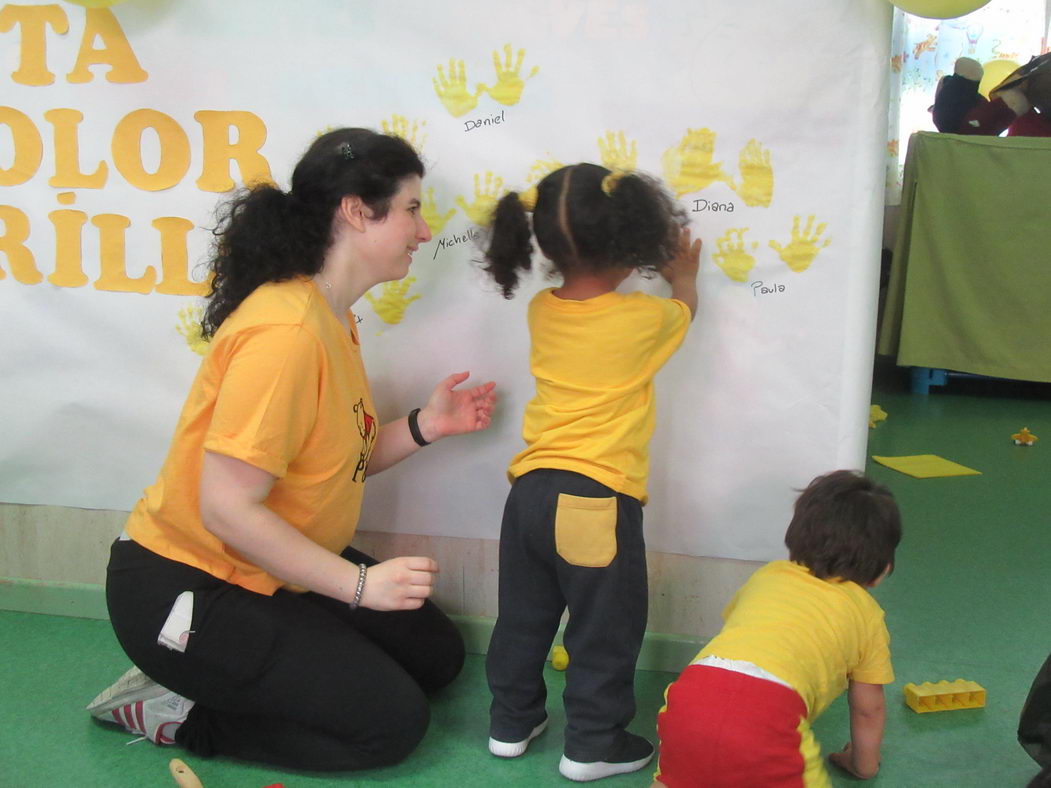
[723, 729]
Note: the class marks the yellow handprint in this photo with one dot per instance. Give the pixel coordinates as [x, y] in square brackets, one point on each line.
[757, 176]
[542, 168]
[391, 305]
[615, 153]
[509, 86]
[800, 252]
[453, 91]
[434, 218]
[688, 167]
[190, 327]
[399, 127]
[732, 256]
[485, 196]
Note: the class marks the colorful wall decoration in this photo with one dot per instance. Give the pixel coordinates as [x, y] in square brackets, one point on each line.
[123, 125]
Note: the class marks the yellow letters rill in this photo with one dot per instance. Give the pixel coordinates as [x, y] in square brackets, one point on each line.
[69, 264]
[115, 52]
[219, 150]
[67, 153]
[28, 147]
[33, 20]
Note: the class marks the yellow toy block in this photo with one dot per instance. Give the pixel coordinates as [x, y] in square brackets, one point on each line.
[944, 695]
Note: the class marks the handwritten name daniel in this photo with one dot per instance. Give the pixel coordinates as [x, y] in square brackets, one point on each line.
[494, 120]
[445, 243]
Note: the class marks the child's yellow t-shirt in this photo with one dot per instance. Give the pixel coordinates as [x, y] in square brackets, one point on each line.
[282, 388]
[814, 634]
[594, 362]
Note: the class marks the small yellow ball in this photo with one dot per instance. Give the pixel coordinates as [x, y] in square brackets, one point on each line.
[559, 658]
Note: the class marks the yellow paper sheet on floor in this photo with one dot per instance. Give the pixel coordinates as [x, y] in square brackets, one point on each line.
[926, 466]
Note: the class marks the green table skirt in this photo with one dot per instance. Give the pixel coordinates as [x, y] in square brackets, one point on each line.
[970, 285]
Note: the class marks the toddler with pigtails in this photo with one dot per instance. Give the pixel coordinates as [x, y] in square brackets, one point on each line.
[571, 535]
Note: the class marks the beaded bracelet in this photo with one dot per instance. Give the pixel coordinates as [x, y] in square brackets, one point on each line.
[362, 569]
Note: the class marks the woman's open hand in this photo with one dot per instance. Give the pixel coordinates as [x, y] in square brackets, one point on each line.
[453, 411]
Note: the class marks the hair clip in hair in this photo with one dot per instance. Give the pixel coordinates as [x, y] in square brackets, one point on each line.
[528, 199]
[609, 183]
[345, 150]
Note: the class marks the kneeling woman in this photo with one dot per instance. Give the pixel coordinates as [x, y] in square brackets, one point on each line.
[256, 631]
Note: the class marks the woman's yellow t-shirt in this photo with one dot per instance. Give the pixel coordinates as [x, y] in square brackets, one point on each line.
[282, 388]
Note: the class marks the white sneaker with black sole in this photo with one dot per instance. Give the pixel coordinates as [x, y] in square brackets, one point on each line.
[512, 749]
[633, 753]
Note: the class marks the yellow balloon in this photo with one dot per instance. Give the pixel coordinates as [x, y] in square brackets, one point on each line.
[996, 71]
[939, 9]
[95, 3]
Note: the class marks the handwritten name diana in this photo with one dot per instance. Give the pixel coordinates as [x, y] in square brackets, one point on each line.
[712, 205]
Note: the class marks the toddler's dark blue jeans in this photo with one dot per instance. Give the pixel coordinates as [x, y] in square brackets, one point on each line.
[568, 541]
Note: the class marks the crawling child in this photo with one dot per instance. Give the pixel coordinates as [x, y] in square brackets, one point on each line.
[795, 636]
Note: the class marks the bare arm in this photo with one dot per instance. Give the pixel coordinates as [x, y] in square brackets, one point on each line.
[449, 411]
[232, 495]
[868, 713]
[681, 271]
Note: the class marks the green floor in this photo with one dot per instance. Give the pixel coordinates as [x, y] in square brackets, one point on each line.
[969, 599]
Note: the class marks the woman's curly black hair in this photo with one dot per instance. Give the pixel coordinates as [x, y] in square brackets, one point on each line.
[264, 234]
[579, 226]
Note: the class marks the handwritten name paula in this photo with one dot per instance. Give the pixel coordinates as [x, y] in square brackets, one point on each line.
[759, 288]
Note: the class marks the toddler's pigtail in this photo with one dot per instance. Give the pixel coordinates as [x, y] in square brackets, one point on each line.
[645, 222]
[510, 244]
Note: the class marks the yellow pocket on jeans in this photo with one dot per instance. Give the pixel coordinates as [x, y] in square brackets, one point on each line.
[586, 530]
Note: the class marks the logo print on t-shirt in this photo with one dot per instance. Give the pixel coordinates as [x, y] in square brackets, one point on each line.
[367, 429]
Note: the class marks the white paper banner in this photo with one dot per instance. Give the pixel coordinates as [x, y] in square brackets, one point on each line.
[766, 117]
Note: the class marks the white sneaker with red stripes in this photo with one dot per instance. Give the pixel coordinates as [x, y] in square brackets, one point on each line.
[142, 706]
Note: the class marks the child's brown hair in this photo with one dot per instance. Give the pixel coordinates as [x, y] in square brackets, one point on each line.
[845, 526]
